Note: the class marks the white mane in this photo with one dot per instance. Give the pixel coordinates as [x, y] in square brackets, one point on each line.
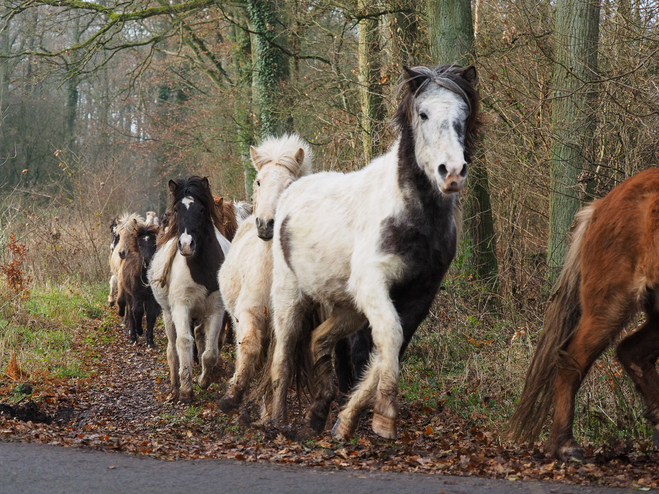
[281, 150]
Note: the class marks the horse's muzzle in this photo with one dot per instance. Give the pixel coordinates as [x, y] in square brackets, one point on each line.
[265, 229]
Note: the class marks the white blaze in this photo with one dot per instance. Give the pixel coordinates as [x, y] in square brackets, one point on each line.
[187, 201]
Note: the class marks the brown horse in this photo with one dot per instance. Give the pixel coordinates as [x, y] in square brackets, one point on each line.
[611, 273]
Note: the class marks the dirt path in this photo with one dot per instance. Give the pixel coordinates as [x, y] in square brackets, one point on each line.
[123, 407]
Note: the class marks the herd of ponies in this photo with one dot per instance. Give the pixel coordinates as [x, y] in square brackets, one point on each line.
[325, 279]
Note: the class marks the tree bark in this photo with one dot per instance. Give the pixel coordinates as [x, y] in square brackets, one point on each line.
[451, 34]
[271, 68]
[573, 118]
[370, 86]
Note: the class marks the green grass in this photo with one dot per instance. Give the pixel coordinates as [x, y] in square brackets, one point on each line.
[42, 327]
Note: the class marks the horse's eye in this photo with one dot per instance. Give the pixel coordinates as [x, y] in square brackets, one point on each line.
[258, 183]
[423, 115]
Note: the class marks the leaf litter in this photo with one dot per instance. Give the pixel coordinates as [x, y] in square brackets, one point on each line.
[123, 407]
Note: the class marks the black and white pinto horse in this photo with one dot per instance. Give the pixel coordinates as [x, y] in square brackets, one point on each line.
[374, 245]
[183, 277]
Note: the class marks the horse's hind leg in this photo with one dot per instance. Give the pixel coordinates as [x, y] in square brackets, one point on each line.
[340, 324]
[250, 332]
[638, 354]
[592, 336]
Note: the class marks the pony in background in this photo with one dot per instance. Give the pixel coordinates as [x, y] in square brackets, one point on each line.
[183, 277]
[372, 245]
[246, 276]
[124, 224]
[611, 273]
[136, 294]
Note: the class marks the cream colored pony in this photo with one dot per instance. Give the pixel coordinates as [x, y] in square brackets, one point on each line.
[246, 275]
[125, 224]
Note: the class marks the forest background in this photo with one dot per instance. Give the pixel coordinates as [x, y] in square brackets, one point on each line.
[101, 103]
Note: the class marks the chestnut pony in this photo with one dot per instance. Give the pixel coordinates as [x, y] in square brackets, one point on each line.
[611, 272]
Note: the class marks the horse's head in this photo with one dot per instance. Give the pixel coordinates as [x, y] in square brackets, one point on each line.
[193, 213]
[124, 231]
[441, 106]
[278, 162]
[145, 241]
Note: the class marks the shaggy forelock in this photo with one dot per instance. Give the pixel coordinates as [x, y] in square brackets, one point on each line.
[125, 222]
[281, 150]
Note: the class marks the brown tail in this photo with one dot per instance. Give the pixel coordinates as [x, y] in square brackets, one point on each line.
[561, 320]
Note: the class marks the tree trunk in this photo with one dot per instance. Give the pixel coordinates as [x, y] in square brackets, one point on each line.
[370, 86]
[271, 68]
[451, 41]
[573, 118]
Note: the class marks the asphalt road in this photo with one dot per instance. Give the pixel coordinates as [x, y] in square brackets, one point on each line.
[32, 468]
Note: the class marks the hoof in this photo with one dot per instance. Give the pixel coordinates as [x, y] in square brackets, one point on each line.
[316, 421]
[341, 431]
[111, 304]
[185, 397]
[384, 426]
[570, 451]
[228, 402]
[204, 382]
[151, 344]
[172, 397]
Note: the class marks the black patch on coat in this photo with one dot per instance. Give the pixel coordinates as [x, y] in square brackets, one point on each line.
[206, 263]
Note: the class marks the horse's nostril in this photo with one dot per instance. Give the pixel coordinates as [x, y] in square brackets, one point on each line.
[271, 224]
[442, 170]
[454, 184]
[258, 222]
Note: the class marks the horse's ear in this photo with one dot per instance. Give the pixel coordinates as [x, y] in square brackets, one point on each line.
[219, 202]
[414, 78]
[205, 184]
[470, 75]
[172, 186]
[299, 156]
[254, 154]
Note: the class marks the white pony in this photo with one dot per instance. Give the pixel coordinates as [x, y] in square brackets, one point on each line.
[183, 277]
[246, 275]
[374, 245]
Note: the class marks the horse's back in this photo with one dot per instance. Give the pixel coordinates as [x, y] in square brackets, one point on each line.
[621, 245]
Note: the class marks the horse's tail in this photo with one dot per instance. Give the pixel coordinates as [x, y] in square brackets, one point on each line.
[561, 320]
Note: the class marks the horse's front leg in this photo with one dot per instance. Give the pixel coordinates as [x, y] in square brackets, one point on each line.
[152, 311]
[380, 383]
[289, 314]
[172, 354]
[184, 349]
[251, 327]
[210, 368]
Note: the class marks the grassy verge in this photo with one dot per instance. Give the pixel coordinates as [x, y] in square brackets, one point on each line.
[41, 327]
